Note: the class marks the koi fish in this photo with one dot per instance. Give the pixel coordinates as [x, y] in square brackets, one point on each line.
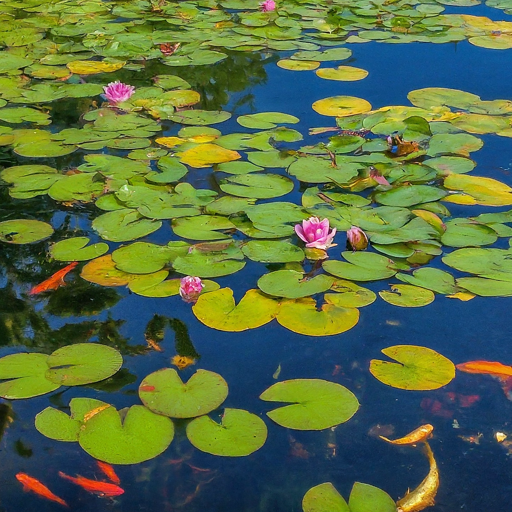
[34, 485]
[103, 489]
[55, 281]
[423, 496]
[416, 436]
[109, 471]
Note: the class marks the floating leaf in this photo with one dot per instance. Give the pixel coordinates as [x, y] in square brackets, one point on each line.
[417, 368]
[24, 376]
[164, 393]
[486, 191]
[273, 251]
[407, 296]
[56, 424]
[83, 363]
[74, 249]
[219, 311]
[361, 266]
[367, 498]
[342, 73]
[303, 317]
[200, 117]
[257, 186]
[317, 404]
[341, 106]
[123, 225]
[24, 231]
[207, 154]
[92, 67]
[298, 65]
[239, 434]
[103, 271]
[266, 120]
[324, 498]
[292, 284]
[141, 436]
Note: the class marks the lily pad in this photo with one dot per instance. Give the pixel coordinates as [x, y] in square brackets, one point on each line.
[324, 498]
[257, 186]
[303, 317]
[219, 311]
[292, 284]
[83, 363]
[342, 73]
[74, 249]
[407, 296]
[24, 376]
[24, 231]
[141, 436]
[56, 424]
[273, 251]
[341, 106]
[239, 434]
[361, 266]
[417, 368]
[124, 225]
[266, 120]
[367, 498]
[165, 393]
[316, 404]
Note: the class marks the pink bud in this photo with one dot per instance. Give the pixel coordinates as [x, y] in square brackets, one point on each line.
[377, 176]
[357, 239]
[190, 288]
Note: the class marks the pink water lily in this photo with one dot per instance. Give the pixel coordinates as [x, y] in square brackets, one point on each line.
[357, 239]
[315, 233]
[190, 288]
[267, 6]
[116, 92]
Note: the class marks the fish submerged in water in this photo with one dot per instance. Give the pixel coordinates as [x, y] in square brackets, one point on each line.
[109, 471]
[423, 496]
[32, 484]
[103, 489]
[420, 434]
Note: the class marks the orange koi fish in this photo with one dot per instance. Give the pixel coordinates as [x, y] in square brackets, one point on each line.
[103, 489]
[416, 436]
[55, 281]
[109, 471]
[34, 485]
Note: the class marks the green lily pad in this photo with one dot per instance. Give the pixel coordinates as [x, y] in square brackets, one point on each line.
[273, 251]
[257, 186]
[417, 368]
[239, 434]
[219, 311]
[24, 231]
[314, 169]
[200, 117]
[486, 287]
[24, 376]
[316, 404]
[124, 225]
[74, 249]
[56, 424]
[464, 233]
[324, 498]
[407, 296]
[432, 279]
[361, 266]
[303, 317]
[142, 435]
[203, 227]
[342, 73]
[82, 363]
[266, 120]
[298, 65]
[165, 393]
[409, 195]
[292, 284]
[367, 498]
[350, 295]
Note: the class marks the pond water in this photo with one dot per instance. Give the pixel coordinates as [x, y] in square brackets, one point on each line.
[58, 140]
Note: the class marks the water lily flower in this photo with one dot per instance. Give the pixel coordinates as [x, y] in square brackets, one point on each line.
[116, 92]
[190, 288]
[268, 5]
[357, 239]
[316, 233]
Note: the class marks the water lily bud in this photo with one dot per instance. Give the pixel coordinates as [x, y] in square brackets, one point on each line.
[315, 233]
[116, 92]
[190, 288]
[357, 239]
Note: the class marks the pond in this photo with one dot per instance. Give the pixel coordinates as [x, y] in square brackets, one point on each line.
[336, 176]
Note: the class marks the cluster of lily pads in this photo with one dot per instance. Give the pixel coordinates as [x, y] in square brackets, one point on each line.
[423, 168]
